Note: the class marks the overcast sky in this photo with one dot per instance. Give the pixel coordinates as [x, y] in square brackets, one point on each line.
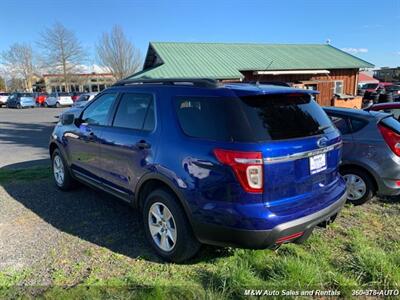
[366, 28]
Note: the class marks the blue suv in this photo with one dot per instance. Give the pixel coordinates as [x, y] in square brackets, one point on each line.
[243, 165]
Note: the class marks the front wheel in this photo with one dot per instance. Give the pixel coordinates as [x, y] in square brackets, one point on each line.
[61, 173]
[360, 188]
[167, 228]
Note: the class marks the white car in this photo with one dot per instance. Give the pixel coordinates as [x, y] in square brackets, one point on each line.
[58, 100]
[3, 98]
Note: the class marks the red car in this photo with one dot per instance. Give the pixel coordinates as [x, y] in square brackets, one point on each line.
[41, 98]
[75, 95]
[391, 108]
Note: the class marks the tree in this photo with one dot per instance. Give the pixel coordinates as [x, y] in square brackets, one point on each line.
[2, 84]
[19, 62]
[62, 51]
[117, 54]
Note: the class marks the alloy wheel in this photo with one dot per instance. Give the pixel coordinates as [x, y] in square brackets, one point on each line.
[162, 226]
[58, 170]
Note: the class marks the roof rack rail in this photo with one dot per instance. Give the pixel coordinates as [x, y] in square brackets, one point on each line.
[196, 82]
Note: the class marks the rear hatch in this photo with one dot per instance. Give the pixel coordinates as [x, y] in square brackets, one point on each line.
[281, 145]
[301, 148]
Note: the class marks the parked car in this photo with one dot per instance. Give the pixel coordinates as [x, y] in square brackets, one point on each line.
[393, 91]
[372, 92]
[41, 98]
[58, 100]
[243, 165]
[84, 99]
[3, 98]
[21, 100]
[371, 156]
[75, 95]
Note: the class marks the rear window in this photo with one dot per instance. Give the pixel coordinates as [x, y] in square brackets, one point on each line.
[393, 88]
[370, 86]
[392, 123]
[251, 118]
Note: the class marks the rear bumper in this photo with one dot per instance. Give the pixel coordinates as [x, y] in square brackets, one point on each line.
[261, 239]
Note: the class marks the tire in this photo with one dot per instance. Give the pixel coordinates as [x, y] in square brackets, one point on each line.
[67, 182]
[58, 105]
[19, 106]
[358, 181]
[185, 245]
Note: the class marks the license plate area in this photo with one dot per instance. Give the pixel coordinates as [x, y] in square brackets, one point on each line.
[317, 163]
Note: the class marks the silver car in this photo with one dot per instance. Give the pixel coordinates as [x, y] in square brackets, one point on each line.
[371, 152]
[83, 99]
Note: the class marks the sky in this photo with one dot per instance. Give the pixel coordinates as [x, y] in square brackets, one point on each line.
[366, 28]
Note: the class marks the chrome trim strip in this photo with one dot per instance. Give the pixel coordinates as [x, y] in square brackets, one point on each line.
[300, 155]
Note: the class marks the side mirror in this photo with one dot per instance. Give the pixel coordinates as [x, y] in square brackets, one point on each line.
[67, 119]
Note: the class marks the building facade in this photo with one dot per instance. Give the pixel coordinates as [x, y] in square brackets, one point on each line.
[329, 70]
[91, 82]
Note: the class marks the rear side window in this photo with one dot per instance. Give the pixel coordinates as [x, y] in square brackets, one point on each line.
[357, 124]
[135, 111]
[251, 118]
[341, 124]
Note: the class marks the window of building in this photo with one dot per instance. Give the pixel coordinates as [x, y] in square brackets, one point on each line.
[338, 89]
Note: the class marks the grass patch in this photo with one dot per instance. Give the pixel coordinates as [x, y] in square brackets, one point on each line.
[8, 175]
[361, 250]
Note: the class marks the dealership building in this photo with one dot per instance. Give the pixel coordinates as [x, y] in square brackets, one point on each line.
[322, 67]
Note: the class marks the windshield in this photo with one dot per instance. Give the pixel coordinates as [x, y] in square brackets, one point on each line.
[393, 88]
[251, 118]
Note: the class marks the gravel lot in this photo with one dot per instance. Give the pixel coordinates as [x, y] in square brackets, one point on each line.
[39, 224]
[24, 135]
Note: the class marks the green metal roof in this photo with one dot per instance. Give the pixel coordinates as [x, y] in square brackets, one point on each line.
[225, 61]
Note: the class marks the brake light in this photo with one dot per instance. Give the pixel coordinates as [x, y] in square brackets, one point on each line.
[247, 166]
[391, 138]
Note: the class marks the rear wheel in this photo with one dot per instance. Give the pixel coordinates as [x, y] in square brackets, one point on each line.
[58, 105]
[167, 228]
[360, 188]
[61, 173]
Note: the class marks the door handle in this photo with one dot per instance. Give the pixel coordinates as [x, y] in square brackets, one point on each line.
[143, 145]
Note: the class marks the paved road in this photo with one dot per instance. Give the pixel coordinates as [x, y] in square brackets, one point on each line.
[24, 135]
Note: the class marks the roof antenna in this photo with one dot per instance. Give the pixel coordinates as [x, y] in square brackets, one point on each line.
[259, 75]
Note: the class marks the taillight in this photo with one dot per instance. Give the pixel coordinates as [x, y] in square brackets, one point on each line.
[247, 166]
[391, 138]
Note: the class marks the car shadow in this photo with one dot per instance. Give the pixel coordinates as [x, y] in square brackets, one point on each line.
[93, 216]
[26, 134]
[87, 214]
